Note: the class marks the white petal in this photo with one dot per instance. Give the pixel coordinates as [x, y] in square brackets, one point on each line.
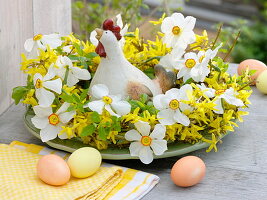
[218, 107]
[181, 118]
[100, 90]
[124, 30]
[158, 103]
[135, 148]
[159, 146]
[178, 17]
[158, 132]
[184, 107]
[72, 80]
[167, 25]
[143, 127]
[172, 93]
[50, 74]
[166, 117]
[66, 116]
[146, 155]
[93, 39]
[39, 122]
[42, 111]
[28, 45]
[233, 100]
[183, 92]
[119, 21]
[121, 107]
[82, 74]
[63, 136]
[49, 132]
[189, 23]
[96, 106]
[109, 109]
[45, 97]
[63, 108]
[182, 72]
[53, 40]
[54, 85]
[132, 135]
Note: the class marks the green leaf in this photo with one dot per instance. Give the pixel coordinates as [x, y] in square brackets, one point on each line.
[71, 108]
[95, 117]
[67, 98]
[251, 72]
[143, 98]
[75, 98]
[18, 93]
[84, 94]
[156, 57]
[102, 133]
[88, 130]
[91, 55]
[78, 48]
[129, 35]
[188, 81]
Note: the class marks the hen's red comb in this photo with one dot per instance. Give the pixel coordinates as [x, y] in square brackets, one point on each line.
[108, 24]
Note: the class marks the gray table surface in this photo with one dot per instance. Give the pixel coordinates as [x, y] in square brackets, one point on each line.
[237, 171]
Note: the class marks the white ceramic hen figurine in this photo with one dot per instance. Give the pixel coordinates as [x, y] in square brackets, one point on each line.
[118, 74]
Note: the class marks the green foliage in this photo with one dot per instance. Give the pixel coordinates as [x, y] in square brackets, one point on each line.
[19, 93]
[90, 15]
[144, 104]
[252, 42]
[77, 101]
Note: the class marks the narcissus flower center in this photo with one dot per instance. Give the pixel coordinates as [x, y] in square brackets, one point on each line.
[53, 119]
[37, 37]
[107, 100]
[174, 104]
[176, 30]
[38, 83]
[219, 92]
[189, 63]
[146, 140]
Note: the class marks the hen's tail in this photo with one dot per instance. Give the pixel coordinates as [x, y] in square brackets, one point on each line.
[165, 79]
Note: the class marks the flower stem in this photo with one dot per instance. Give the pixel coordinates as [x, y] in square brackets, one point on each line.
[232, 47]
[217, 36]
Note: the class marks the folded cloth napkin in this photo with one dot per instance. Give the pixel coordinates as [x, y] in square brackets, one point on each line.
[109, 184]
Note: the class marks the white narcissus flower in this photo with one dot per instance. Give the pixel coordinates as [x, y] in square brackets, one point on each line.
[169, 61]
[113, 104]
[178, 31]
[50, 123]
[145, 143]
[201, 71]
[75, 73]
[209, 92]
[228, 95]
[123, 31]
[44, 84]
[40, 41]
[186, 65]
[171, 107]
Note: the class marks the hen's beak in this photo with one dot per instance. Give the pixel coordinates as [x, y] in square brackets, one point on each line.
[99, 33]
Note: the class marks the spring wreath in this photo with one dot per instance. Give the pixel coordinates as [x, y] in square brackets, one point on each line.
[119, 90]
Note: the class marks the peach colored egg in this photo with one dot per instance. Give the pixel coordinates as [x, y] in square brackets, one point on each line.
[53, 170]
[252, 64]
[188, 171]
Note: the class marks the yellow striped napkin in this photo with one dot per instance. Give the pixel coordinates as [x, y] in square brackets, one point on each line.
[133, 186]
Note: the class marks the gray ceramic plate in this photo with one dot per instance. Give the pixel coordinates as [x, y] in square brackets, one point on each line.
[174, 149]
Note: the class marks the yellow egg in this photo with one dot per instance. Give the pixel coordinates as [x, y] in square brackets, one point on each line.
[188, 171]
[251, 64]
[84, 162]
[53, 170]
[261, 82]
